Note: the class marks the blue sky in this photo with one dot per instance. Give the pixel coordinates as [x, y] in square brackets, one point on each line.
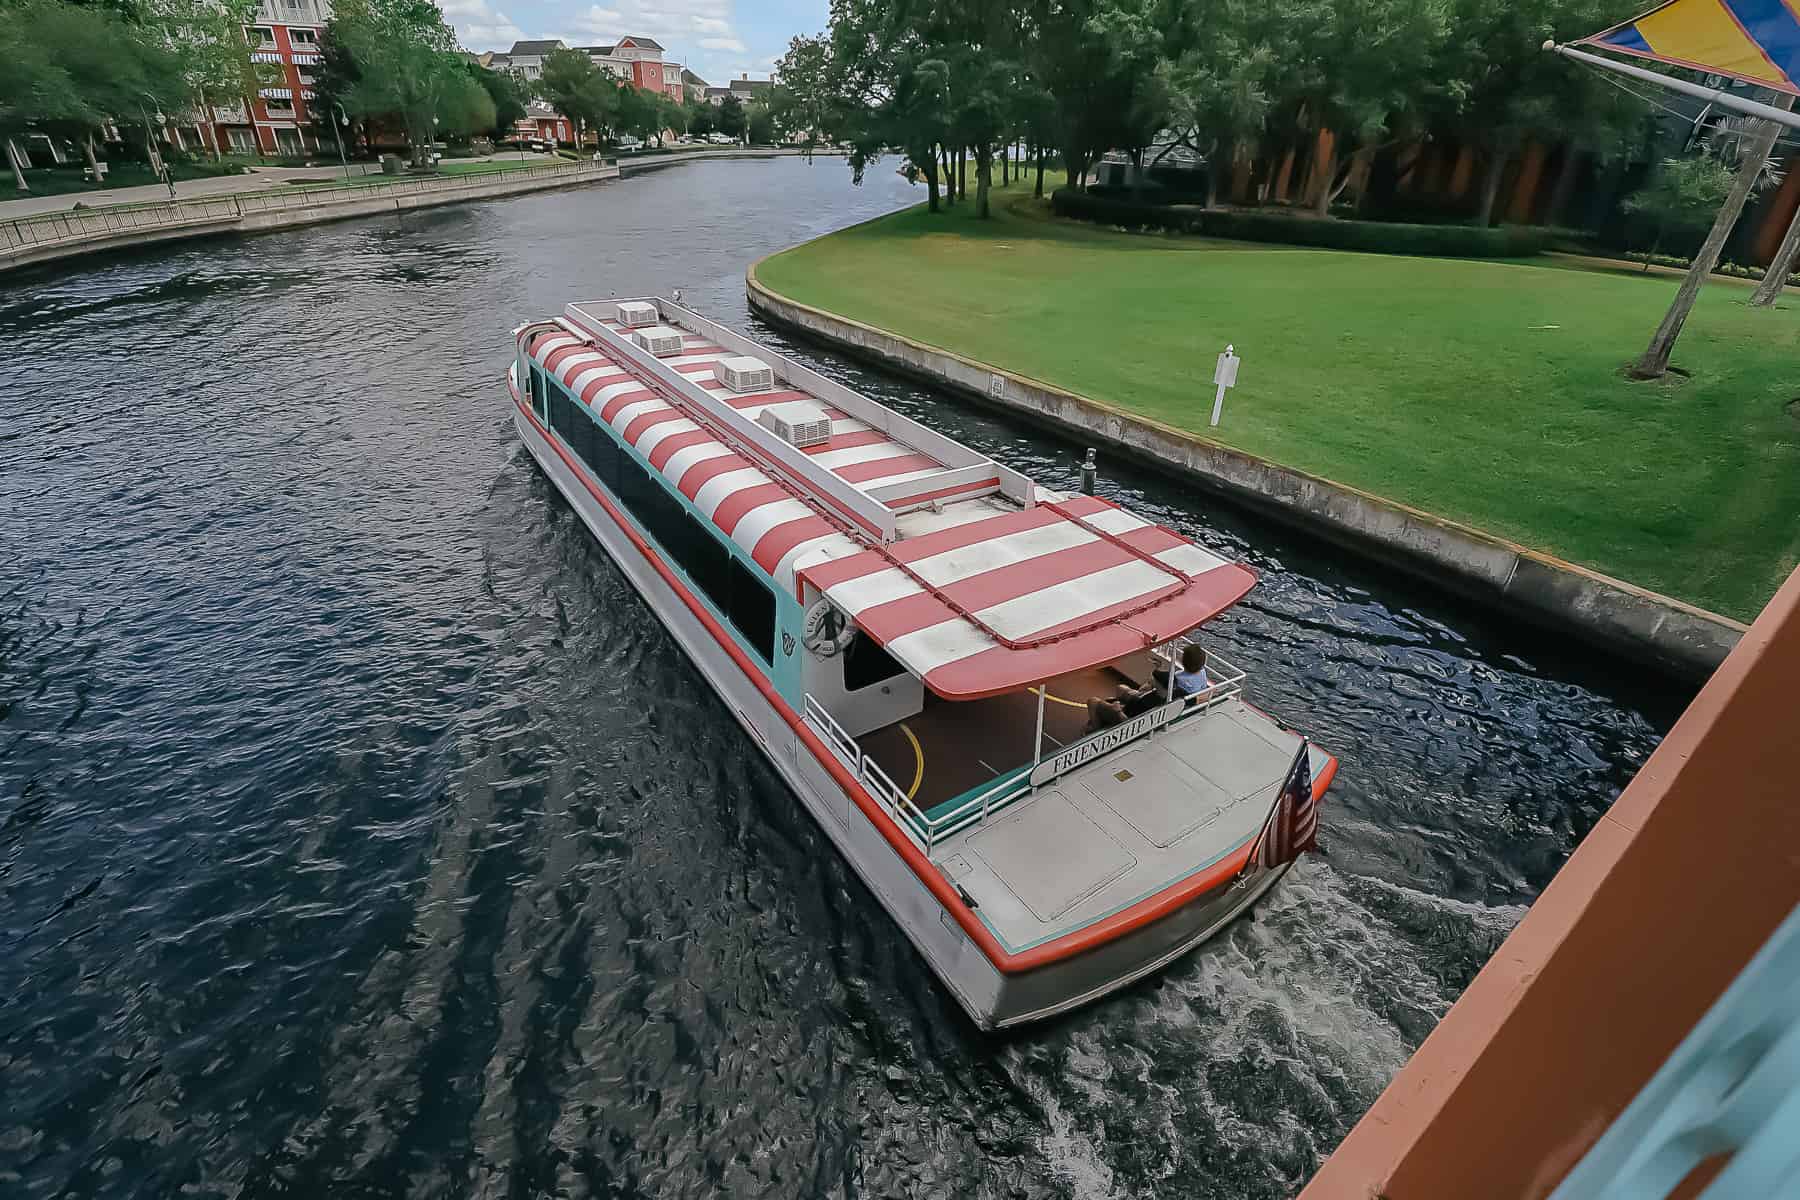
[718, 39]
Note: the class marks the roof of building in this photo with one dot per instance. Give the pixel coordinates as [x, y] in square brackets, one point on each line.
[544, 46]
[602, 51]
[977, 595]
[752, 86]
[642, 42]
[693, 80]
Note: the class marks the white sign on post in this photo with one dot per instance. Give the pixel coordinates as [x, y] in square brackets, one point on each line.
[1224, 376]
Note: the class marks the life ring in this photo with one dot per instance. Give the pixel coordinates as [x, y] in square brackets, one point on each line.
[825, 630]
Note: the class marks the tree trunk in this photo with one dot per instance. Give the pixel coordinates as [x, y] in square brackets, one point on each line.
[12, 160]
[962, 171]
[984, 179]
[1137, 175]
[1039, 192]
[1324, 171]
[1775, 278]
[1005, 166]
[87, 149]
[1654, 363]
[949, 175]
[1490, 188]
[931, 181]
[1655, 245]
[1564, 187]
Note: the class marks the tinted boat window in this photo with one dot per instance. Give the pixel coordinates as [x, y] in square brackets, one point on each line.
[752, 609]
[537, 391]
[698, 551]
[601, 453]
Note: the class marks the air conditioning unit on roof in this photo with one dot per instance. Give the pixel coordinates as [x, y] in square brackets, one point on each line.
[659, 340]
[744, 373]
[797, 423]
[634, 313]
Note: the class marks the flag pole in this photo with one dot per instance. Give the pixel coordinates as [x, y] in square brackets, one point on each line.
[1719, 96]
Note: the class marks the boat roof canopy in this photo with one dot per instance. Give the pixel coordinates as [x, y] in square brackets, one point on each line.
[970, 575]
[981, 598]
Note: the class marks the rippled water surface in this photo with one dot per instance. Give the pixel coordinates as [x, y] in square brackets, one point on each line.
[362, 834]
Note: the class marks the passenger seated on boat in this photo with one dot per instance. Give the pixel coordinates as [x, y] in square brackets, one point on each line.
[1104, 714]
[1191, 680]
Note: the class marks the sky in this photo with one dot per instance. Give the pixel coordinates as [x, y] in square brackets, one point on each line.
[717, 39]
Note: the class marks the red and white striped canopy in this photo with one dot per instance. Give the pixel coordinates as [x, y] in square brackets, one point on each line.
[764, 518]
[1048, 578]
[1066, 582]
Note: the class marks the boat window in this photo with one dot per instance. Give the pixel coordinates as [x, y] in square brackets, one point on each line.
[538, 391]
[702, 557]
[867, 663]
[752, 609]
[601, 453]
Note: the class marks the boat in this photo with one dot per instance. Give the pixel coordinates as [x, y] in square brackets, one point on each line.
[911, 632]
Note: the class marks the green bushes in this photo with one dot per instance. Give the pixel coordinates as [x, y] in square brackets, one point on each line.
[1381, 237]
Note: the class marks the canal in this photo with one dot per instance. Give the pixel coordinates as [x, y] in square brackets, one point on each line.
[362, 834]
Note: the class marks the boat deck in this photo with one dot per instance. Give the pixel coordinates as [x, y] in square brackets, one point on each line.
[1125, 826]
[952, 748]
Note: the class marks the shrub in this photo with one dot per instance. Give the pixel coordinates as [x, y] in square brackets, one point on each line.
[1445, 241]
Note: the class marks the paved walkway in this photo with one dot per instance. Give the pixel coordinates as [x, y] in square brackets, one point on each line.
[219, 185]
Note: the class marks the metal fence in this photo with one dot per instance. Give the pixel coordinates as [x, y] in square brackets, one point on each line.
[97, 224]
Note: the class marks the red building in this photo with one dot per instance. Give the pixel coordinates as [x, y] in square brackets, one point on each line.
[284, 45]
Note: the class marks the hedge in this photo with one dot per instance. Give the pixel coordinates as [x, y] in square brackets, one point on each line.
[1443, 241]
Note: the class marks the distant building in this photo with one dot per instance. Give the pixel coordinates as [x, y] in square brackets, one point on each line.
[527, 58]
[639, 61]
[743, 87]
[693, 87]
[284, 35]
[542, 122]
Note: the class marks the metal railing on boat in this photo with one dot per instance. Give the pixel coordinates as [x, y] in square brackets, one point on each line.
[927, 830]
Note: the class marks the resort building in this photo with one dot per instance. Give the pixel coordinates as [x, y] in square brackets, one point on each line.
[284, 47]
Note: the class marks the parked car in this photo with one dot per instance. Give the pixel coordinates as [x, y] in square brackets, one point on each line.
[721, 139]
[630, 143]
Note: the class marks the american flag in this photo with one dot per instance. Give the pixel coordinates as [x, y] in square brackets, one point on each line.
[1293, 826]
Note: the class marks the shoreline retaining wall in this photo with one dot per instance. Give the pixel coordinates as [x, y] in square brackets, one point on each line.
[48, 237]
[1645, 626]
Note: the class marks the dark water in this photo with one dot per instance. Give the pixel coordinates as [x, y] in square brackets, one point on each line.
[361, 834]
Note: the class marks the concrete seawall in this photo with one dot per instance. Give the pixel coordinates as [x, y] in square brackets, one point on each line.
[1647, 627]
[52, 236]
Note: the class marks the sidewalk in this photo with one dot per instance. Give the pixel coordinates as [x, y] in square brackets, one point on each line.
[259, 179]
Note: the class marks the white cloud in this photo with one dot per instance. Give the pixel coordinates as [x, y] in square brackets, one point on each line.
[677, 24]
[479, 26]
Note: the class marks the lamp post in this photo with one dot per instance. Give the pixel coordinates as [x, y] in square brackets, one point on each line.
[345, 122]
[156, 161]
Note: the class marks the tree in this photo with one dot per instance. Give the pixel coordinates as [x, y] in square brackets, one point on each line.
[1220, 91]
[760, 124]
[92, 66]
[802, 102]
[1683, 195]
[207, 38]
[700, 118]
[408, 67]
[1775, 278]
[731, 119]
[1750, 142]
[506, 94]
[571, 85]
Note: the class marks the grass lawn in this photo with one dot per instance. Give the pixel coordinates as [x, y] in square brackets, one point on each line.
[1488, 392]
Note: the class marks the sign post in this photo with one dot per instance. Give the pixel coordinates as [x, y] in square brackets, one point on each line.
[1224, 376]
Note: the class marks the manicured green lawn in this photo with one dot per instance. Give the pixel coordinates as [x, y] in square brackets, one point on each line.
[1488, 392]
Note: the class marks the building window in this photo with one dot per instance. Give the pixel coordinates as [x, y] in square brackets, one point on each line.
[242, 141]
[303, 37]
